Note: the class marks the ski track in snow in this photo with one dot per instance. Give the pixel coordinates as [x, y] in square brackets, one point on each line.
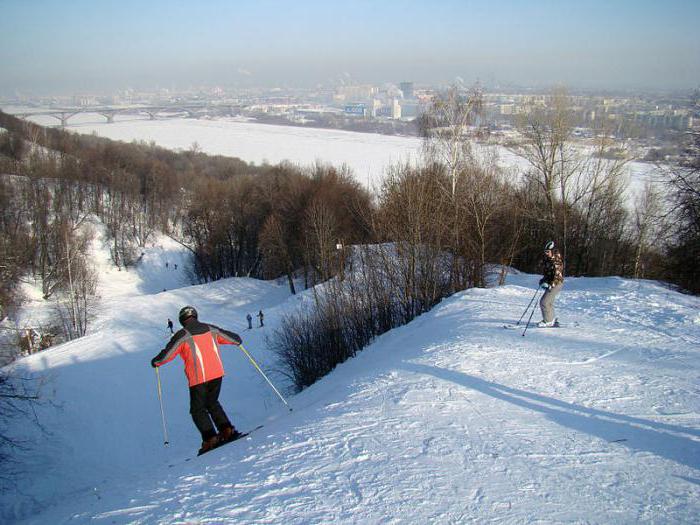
[450, 419]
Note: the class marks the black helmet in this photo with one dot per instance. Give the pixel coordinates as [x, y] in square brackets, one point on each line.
[549, 246]
[185, 313]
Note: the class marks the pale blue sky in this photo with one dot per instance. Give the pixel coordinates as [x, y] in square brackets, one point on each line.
[87, 45]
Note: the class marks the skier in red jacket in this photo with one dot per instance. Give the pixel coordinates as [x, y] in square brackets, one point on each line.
[198, 345]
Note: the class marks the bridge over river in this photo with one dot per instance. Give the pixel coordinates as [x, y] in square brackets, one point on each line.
[192, 110]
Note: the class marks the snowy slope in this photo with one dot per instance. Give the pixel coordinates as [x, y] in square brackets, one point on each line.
[107, 422]
[450, 419]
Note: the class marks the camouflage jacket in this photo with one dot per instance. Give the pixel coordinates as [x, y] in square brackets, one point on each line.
[553, 268]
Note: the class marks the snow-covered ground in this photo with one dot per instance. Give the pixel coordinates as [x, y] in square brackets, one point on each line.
[369, 155]
[450, 419]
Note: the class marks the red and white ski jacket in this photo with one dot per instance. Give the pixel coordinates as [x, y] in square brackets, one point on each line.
[198, 346]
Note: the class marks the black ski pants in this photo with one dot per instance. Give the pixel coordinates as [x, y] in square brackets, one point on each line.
[205, 407]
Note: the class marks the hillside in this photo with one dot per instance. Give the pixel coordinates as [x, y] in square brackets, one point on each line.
[449, 419]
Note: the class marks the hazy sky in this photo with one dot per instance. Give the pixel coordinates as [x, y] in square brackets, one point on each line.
[81, 46]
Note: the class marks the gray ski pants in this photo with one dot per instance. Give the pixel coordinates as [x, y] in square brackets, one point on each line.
[547, 302]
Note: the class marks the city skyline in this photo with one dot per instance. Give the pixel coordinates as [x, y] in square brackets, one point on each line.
[59, 47]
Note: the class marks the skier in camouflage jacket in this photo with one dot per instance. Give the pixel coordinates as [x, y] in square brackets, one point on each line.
[552, 281]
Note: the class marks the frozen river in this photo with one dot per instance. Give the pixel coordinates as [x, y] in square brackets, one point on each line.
[368, 155]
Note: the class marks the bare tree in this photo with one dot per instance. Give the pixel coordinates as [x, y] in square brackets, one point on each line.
[19, 397]
[415, 216]
[274, 246]
[683, 251]
[485, 200]
[574, 193]
[15, 250]
[448, 128]
[545, 129]
[74, 308]
[594, 213]
[648, 214]
[321, 235]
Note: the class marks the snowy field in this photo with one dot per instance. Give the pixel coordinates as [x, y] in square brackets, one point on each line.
[450, 419]
[369, 155]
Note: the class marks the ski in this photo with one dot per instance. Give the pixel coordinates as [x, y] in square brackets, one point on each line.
[563, 325]
[556, 325]
[243, 435]
[222, 443]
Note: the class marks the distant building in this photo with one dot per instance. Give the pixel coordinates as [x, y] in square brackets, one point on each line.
[409, 109]
[407, 89]
[84, 101]
[356, 109]
[363, 92]
[395, 109]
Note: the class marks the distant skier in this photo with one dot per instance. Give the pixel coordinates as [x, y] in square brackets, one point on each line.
[552, 281]
[249, 318]
[260, 315]
[198, 345]
[170, 325]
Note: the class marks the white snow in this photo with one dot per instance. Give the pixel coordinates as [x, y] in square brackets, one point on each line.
[450, 419]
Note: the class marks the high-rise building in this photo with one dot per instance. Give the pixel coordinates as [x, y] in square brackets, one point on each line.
[395, 109]
[374, 107]
[407, 89]
[409, 109]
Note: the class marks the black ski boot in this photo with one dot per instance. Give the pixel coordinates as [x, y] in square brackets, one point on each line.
[209, 444]
[229, 434]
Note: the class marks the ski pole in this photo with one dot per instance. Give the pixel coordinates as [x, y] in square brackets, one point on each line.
[531, 314]
[528, 306]
[162, 412]
[263, 374]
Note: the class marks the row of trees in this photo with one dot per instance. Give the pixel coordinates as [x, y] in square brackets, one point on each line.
[273, 223]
